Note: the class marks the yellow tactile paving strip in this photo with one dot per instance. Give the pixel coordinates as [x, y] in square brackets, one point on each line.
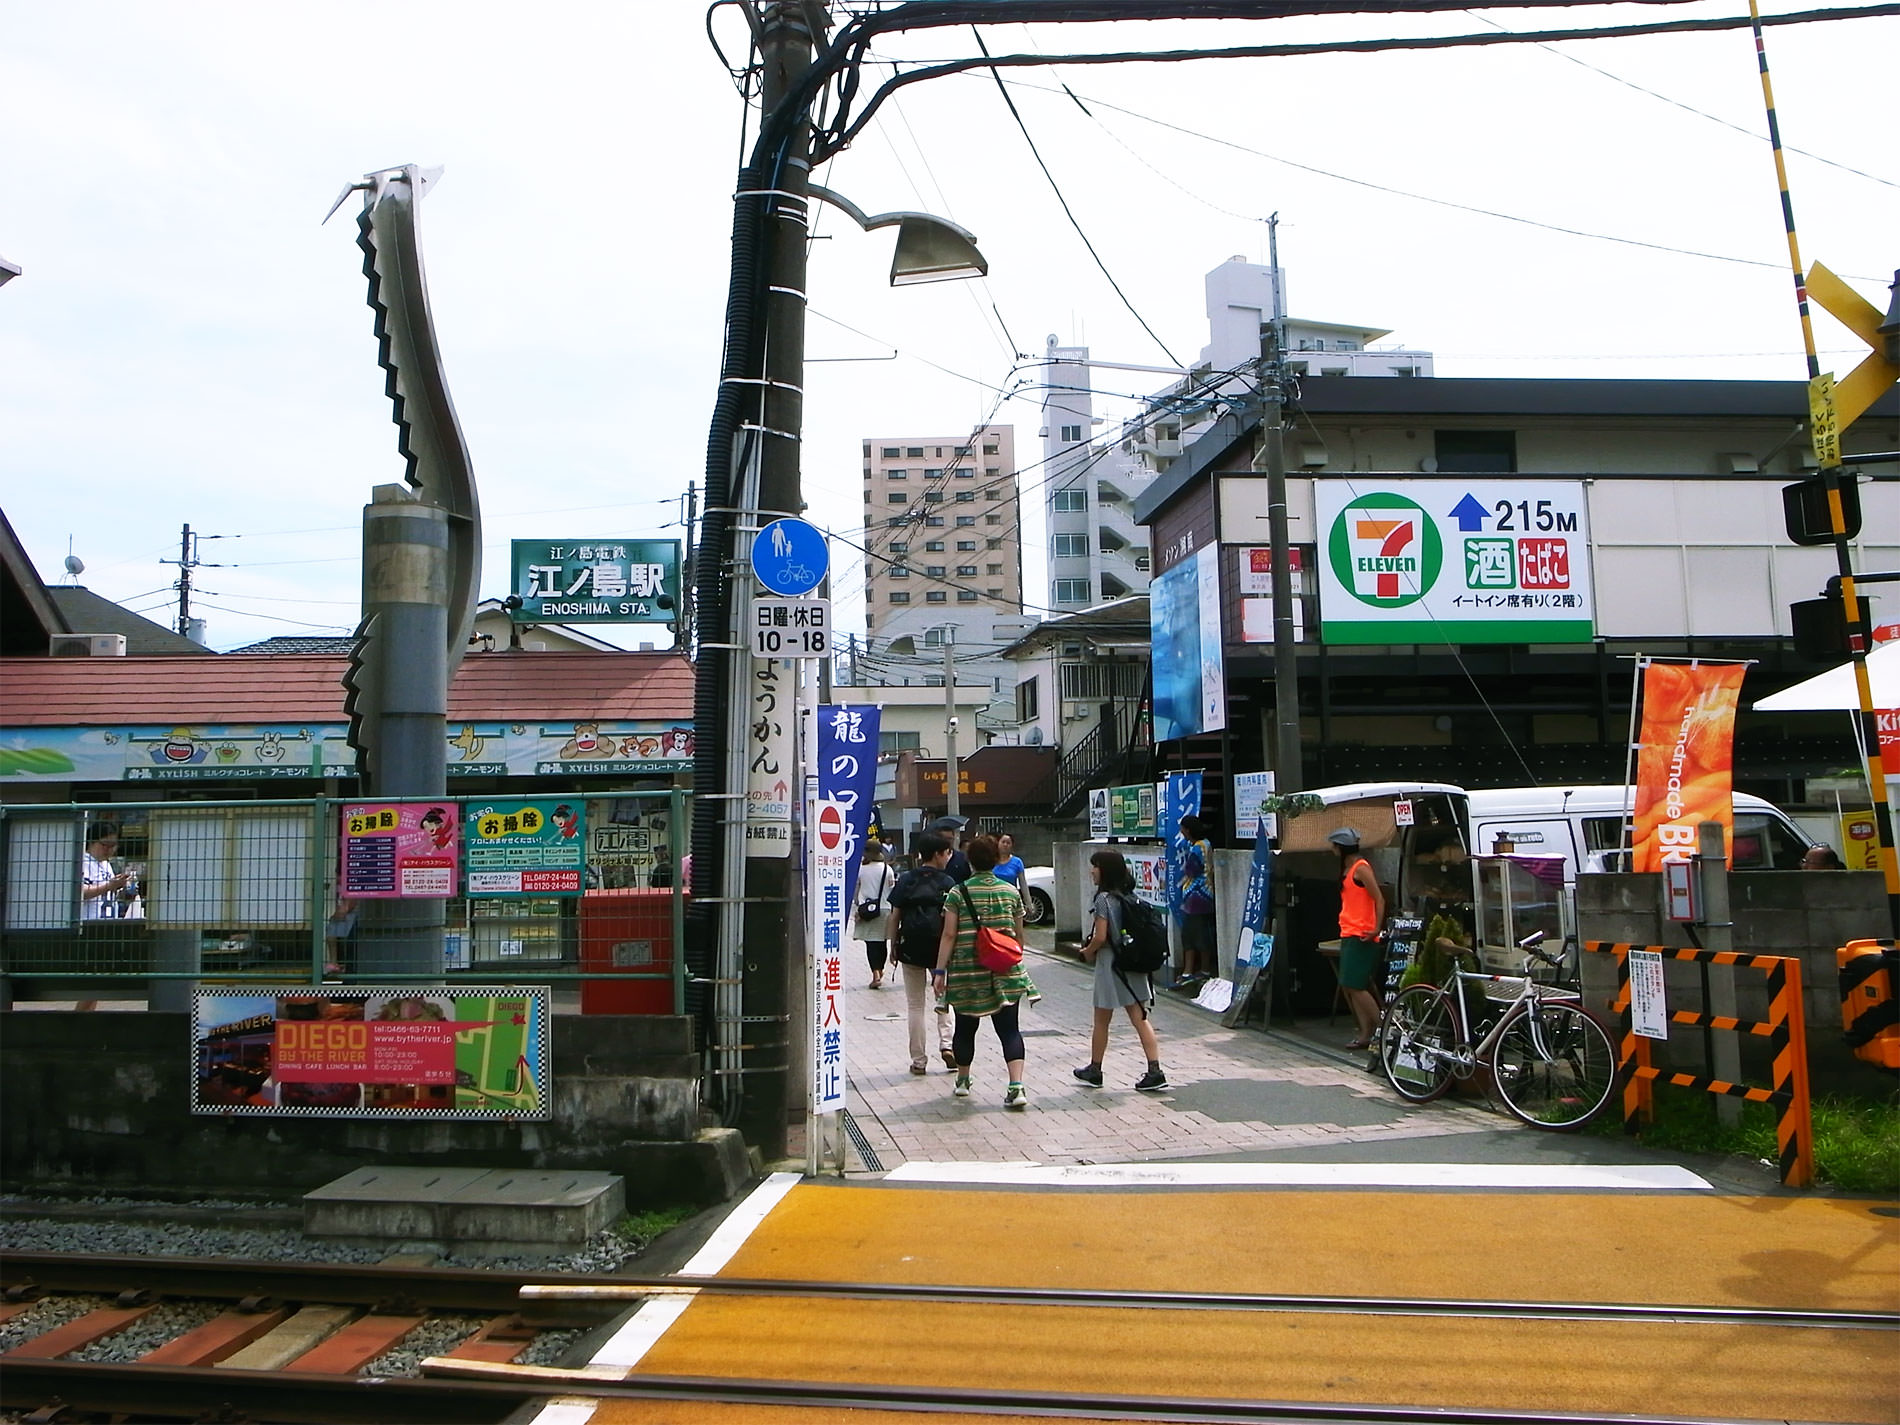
[1687, 1249]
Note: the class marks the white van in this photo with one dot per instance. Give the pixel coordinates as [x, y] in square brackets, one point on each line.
[1584, 825]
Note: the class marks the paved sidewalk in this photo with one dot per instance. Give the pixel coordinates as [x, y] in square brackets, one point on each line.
[1233, 1091]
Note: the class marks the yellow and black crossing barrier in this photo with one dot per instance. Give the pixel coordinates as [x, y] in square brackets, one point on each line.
[1785, 1029]
[1870, 1010]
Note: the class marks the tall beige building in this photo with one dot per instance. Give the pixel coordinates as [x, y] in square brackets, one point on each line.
[943, 535]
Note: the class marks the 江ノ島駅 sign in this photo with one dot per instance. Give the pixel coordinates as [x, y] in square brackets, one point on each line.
[591, 581]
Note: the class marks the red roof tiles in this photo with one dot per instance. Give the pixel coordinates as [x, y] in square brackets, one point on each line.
[502, 686]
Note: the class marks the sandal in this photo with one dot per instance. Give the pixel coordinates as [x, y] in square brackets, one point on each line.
[1358, 1043]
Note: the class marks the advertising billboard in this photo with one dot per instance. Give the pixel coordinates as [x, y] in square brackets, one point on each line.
[1190, 675]
[1495, 560]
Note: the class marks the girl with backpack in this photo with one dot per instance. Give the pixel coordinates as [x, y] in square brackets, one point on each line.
[1115, 886]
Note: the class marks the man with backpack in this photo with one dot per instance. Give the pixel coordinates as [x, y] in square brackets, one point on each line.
[918, 900]
[1127, 943]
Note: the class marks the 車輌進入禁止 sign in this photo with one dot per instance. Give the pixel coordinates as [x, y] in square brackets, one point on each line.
[1454, 561]
[592, 581]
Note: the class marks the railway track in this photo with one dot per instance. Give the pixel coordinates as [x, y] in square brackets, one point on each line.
[201, 1373]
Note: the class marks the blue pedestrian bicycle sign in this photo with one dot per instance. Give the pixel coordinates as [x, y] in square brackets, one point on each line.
[789, 557]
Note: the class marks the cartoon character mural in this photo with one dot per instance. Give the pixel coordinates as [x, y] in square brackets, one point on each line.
[179, 749]
[586, 742]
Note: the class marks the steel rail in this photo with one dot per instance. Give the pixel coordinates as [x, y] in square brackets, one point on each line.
[303, 1399]
[468, 1289]
[293, 1397]
[600, 1290]
[447, 1288]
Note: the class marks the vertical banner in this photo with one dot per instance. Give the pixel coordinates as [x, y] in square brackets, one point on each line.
[1683, 767]
[847, 775]
[1256, 911]
[1183, 798]
[827, 909]
[770, 775]
[399, 850]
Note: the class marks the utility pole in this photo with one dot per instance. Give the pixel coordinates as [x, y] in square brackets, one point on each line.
[686, 635]
[1271, 456]
[186, 561]
[954, 803]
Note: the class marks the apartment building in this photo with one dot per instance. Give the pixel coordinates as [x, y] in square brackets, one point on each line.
[943, 561]
[1098, 551]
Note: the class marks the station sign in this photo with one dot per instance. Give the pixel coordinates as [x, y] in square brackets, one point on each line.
[595, 581]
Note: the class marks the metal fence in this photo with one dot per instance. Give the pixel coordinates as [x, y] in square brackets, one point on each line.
[239, 891]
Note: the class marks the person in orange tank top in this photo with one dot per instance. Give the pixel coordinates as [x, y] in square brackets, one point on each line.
[1361, 913]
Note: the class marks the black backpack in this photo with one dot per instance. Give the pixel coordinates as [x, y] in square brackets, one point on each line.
[1144, 947]
[919, 901]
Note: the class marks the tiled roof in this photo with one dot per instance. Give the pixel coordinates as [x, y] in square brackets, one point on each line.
[284, 643]
[80, 692]
[86, 612]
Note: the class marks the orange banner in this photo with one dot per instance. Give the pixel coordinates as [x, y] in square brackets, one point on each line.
[1683, 769]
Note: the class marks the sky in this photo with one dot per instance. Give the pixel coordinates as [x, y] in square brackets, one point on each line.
[189, 344]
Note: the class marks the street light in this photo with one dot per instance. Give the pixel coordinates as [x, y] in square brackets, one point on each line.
[929, 249]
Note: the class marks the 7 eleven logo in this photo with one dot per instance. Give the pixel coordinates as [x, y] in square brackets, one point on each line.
[1384, 550]
[1379, 555]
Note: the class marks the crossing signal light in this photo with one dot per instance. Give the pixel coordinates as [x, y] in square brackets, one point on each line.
[1821, 627]
[1804, 507]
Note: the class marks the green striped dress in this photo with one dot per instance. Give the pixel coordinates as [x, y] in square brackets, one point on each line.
[971, 989]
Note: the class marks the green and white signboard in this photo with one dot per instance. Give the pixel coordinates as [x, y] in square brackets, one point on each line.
[1488, 560]
[596, 581]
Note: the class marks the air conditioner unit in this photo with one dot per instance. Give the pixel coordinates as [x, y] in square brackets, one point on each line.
[88, 645]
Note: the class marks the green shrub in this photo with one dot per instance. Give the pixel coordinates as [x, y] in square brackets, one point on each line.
[1856, 1142]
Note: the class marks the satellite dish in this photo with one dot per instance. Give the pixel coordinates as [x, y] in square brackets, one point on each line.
[75, 566]
[1035, 737]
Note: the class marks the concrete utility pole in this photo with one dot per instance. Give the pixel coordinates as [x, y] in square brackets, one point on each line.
[1271, 457]
[953, 799]
[773, 939]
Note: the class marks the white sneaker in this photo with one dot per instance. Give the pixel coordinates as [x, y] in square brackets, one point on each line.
[1016, 1097]
[962, 1087]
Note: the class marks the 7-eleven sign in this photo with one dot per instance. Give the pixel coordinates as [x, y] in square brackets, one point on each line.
[1385, 550]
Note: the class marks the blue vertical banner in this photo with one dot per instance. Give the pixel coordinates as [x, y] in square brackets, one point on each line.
[847, 775]
[1256, 911]
[1181, 798]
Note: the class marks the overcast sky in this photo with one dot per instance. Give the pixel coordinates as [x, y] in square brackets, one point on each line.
[188, 345]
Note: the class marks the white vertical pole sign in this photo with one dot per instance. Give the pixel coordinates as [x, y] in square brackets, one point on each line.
[827, 912]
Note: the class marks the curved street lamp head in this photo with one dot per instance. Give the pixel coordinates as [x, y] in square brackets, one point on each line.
[929, 249]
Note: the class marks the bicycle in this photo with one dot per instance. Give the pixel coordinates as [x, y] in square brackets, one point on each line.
[1551, 1064]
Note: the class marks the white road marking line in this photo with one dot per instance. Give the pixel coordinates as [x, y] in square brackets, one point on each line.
[566, 1410]
[1651, 1177]
[645, 1327]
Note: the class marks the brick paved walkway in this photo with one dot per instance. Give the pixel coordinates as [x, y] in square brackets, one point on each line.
[1234, 1091]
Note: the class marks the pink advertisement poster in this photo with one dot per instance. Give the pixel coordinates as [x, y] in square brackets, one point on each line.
[398, 850]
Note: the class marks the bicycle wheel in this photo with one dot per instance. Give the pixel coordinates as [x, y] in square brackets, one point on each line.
[1416, 1039]
[1554, 1067]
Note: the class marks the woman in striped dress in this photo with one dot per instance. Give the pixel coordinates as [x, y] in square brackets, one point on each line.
[974, 993]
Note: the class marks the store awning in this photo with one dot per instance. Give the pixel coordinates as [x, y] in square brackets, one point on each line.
[1836, 689]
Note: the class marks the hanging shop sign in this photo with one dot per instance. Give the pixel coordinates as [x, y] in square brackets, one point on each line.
[1454, 561]
[591, 581]
[372, 1051]
[398, 850]
[518, 848]
[847, 775]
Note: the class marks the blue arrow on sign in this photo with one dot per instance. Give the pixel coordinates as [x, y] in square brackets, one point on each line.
[1469, 513]
[789, 557]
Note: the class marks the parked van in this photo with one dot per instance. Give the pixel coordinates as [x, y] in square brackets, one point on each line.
[1584, 825]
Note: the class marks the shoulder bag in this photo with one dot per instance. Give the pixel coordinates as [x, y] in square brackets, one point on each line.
[996, 950]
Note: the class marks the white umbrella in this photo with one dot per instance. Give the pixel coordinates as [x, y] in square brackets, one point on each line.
[1836, 690]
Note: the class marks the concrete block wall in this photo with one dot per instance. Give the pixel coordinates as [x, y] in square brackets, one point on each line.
[103, 1101]
[1807, 915]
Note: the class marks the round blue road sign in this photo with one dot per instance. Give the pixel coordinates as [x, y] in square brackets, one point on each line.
[789, 557]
